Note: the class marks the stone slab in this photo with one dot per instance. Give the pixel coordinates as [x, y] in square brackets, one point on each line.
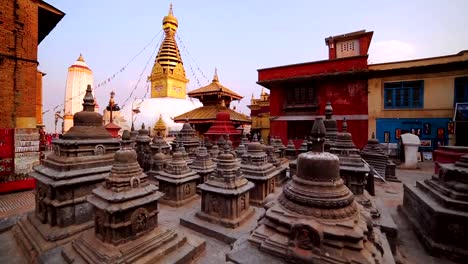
[223, 234]
[387, 225]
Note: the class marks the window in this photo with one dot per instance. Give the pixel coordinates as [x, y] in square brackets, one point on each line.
[403, 94]
[300, 96]
[461, 90]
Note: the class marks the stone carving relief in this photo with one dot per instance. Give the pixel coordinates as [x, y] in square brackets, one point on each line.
[214, 204]
[139, 220]
[187, 189]
[41, 209]
[243, 203]
[99, 150]
[134, 182]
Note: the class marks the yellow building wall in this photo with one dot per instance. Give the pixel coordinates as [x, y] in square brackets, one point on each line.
[438, 97]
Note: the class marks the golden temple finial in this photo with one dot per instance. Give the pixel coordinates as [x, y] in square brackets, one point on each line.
[170, 21]
[215, 77]
[80, 58]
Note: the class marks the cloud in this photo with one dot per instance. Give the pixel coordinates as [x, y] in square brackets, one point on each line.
[391, 50]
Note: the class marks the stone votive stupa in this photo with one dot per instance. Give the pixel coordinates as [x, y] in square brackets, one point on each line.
[159, 161]
[290, 152]
[330, 126]
[133, 133]
[143, 148]
[188, 137]
[240, 151]
[304, 147]
[244, 140]
[225, 195]
[158, 142]
[373, 154]
[80, 160]
[178, 182]
[260, 172]
[185, 155]
[437, 208]
[352, 169]
[314, 220]
[203, 164]
[126, 221]
[214, 152]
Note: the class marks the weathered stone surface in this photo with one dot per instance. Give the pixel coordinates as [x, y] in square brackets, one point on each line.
[126, 220]
[143, 148]
[240, 151]
[291, 152]
[303, 148]
[373, 154]
[438, 210]
[188, 137]
[158, 142]
[225, 195]
[314, 220]
[203, 164]
[259, 171]
[178, 182]
[80, 161]
[330, 126]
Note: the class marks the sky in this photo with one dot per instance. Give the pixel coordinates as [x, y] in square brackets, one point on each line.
[236, 37]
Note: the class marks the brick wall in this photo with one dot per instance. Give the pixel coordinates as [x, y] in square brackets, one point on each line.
[18, 60]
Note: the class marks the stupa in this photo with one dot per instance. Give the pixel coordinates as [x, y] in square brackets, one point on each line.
[80, 160]
[160, 128]
[224, 126]
[143, 148]
[260, 172]
[373, 154]
[244, 140]
[168, 83]
[214, 152]
[178, 182]
[188, 137]
[203, 164]
[438, 210]
[240, 151]
[225, 195]
[158, 142]
[314, 220]
[133, 134]
[126, 223]
[330, 126]
[79, 76]
[159, 161]
[303, 148]
[290, 152]
[352, 170]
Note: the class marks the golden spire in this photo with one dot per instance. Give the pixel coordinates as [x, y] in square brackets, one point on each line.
[160, 124]
[169, 55]
[80, 58]
[215, 77]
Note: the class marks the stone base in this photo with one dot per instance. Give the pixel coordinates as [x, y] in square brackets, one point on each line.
[178, 203]
[441, 230]
[229, 223]
[162, 245]
[226, 235]
[282, 177]
[244, 252]
[368, 203]
[36, 239]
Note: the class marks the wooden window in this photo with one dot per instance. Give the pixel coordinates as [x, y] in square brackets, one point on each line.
[399, 95]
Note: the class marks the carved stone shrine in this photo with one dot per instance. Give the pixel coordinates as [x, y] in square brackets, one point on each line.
[304, 147]
[81, 159]
[290, 152]
[126, 220]
[438, 210]
[188, 137]
[330, 126]
[225, 195]
[352, 169]
[203, 164]
[373, 154]
[241, 150]
[214, 152]
[257, 170]
[178, 182]
[314, 220]
[158, 142]
[143, 148]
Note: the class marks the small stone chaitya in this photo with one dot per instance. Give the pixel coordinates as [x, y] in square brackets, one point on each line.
[438, 210]
[126, 220]
[290, 152]
[143, 148]
[81, 159]
[203, 164]
[259, 171]
[373, 154]
[314, 220]
[330, 126]
[188, 137]
[177, 181]
[225, 195]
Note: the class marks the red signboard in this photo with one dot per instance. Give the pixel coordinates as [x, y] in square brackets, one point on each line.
[7, 151]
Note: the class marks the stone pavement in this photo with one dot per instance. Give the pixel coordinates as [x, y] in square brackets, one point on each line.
[389, 195]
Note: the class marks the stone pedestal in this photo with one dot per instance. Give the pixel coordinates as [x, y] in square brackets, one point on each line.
[257, 170]
[178, 182]
[411, 145]
[80, 161]
[225, 195]
[126, 221]
[438, 210]
[447, 154]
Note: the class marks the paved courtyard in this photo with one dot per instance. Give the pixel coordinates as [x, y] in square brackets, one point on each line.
[388, 195]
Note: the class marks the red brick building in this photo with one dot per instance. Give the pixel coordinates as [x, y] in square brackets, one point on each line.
[299, 92]
[23, 25]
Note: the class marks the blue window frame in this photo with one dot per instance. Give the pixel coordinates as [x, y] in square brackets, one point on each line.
[461, 90]
[400, 95]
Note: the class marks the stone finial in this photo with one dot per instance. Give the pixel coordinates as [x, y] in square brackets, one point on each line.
[345, 125]
[318, 136]
[328, 110]
[88, 100]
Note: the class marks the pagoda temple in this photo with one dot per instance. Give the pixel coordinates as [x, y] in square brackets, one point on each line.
[215, 98]
[224, 126]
